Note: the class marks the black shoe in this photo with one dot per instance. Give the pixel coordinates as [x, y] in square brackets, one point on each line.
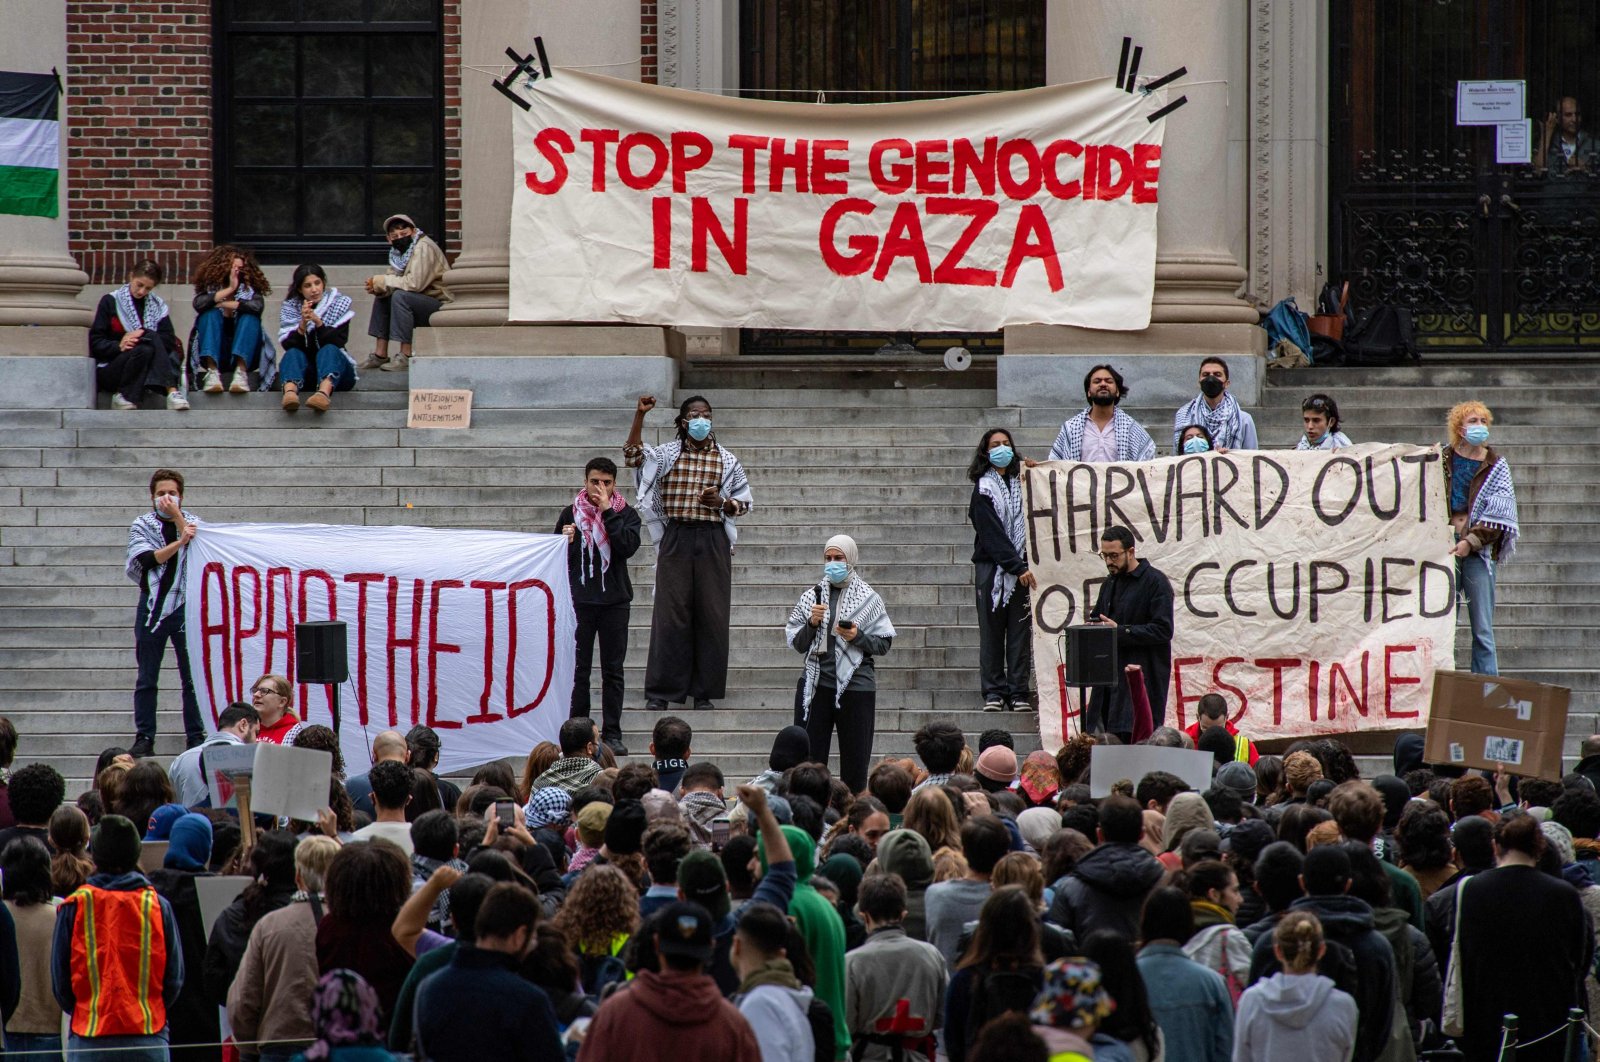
[142, 747]
[655, 704]
[703, 705]
[616, 746]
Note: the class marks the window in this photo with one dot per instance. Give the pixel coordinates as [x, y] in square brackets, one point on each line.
[329, 117]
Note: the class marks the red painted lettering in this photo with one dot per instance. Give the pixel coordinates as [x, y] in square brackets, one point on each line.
[904, 240]
[484, 715]
[1146, 172]
[863, 247]
[597, 139]
[897, 177]
[512, 708]
[747, 146]
[825, 168]
[1277, 666]
[362, 579]
[950, 270]
[703, 222]
[1180, 699]
[218, 628]
[1391, 680]
[555, 145]
[933, 167]
[436, 647]
[1033, 240]
[690, 151]
[410, 645]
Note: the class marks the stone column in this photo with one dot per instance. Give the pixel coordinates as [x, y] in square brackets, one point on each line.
[470, 342]
[1201, 226]
[43, 328]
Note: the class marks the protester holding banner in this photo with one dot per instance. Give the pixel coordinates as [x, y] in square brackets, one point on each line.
[840, 625]
[314, 330]
[602, 532]
[999, 569]
[691, 492]
[158, 559]
[1230, 426]
[1137, 601]
[1195, 439]
[1102, 432]
[1483, 511]
[1321, 416]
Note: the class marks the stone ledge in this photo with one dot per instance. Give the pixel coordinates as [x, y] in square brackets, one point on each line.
[548, 341]
[44, 341]
[1154, 379]
[47, 382]
[504, 382]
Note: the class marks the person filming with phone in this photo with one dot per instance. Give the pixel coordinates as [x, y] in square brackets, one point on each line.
[840, 625]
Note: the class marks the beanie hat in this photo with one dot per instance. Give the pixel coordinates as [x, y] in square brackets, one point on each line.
[625, 828]
[702, 880]
[790, 748]
[592, 823]
[998, 764]
[190, 847]
[1559, 838]
[115, 845]
[1239, 778]
[1038, 825]
[159, 828]
[1072, 996]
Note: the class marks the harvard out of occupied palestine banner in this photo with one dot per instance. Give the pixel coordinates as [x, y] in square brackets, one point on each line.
[469, 632]
[660, 206]
[1314, 590]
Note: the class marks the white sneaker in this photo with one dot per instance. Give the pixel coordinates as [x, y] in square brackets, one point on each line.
[241, 382]
[211, 382]
[176, 401]
[118, 402]
[396, 363]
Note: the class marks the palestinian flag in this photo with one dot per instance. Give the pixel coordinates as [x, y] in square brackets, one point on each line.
[30, 144]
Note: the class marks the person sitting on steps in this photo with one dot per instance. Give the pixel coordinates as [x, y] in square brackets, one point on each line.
[314, 327]
[407, 295]
[133, 343]
[230, 295]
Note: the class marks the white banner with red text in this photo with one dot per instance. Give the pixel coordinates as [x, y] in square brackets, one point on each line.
[469, 632]
[1314, 590]
[656, 205]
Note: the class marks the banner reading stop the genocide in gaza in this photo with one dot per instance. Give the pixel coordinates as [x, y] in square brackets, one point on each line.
[1314, 590]
[469, 632]
[660, 206]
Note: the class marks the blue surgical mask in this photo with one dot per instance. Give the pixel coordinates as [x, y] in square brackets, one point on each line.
[1001, 456]
[1195, 445]
[699, 428]
[836, 571]
[1476, 434]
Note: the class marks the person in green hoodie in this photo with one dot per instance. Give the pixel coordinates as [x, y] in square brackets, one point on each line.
[822, 929]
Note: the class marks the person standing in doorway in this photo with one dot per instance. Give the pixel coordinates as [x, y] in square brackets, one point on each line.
[158, 555]
[1000, 573]
[1483, 511]
[1137, 600]
[1230, 426]
[841, 626]
[1102, 432]
[602, 532]
[691, 494]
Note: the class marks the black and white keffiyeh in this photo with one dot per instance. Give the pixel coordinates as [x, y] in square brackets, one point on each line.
[1496, 507]
[398, 260]
[1133, 442]
[128, 313]
[145, 536]
[1331, 440]
[1005, 494]
[244, 292]
[858, 603]
[335, 308]
[1225, 423]
[658, 461]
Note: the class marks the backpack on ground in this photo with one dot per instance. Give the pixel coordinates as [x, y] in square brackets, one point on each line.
[1285, 321]
[1381, 335]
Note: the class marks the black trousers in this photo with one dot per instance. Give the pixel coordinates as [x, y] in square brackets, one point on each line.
[1005, 650]
[854, 718]
[608, 623]
[689, 625]
[148, 364]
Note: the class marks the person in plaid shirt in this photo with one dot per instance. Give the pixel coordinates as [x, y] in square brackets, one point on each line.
[691, 493]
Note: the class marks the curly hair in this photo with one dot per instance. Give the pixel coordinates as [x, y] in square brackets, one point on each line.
[1457, 418]
[1072, 760]
[214, 269]
[317, 736]
[601, 906]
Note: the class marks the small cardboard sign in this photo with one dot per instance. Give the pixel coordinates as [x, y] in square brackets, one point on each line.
[216, 892]
[436, 408]
[1485, 720]
[291, 781]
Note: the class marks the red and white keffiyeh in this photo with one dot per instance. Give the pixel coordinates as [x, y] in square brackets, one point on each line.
[592, 526]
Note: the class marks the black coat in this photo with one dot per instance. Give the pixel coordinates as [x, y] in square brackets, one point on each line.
[1141, 603]
[1106, 890]
[192, 1018]
[622, 528]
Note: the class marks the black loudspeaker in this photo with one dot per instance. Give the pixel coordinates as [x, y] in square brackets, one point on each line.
[1091, 655]
[319, 653]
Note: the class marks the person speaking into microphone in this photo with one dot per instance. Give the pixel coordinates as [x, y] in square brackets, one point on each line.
[1136, 599]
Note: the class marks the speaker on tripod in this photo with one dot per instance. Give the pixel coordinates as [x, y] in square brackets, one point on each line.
[320, 658]
[1089, 656]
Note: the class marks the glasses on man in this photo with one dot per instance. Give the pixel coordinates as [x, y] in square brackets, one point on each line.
[1113, 557]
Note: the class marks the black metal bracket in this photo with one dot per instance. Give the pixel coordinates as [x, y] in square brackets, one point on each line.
[525, 70]
[1128, 78]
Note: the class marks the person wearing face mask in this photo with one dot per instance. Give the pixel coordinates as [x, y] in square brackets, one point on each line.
[1230, 426]
[1321, 416]
[1137, 600]
[691, 493]
[841, 626]
[1102, 432]
[408, 293]
[1483, 511]
[1195, 440]
[158, 557]
[1000, 567]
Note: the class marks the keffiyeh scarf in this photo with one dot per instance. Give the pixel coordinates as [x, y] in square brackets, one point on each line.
[658, 460]
[244, 293]
[344, 1009]
[592, 526]
[550, 806]
[1223, 423]
[1496, 507]
[858, 603]
[1331, 440]
[398, 260]
[144, 536]
[128, 313]
[335, 308]
[1133, 442]
[1005, 494]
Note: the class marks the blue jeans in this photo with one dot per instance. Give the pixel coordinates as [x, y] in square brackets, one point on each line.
[212, 328]
[331, 364]
[150, 648]
[1475, 579]
[33, 1047]
[106, 1048]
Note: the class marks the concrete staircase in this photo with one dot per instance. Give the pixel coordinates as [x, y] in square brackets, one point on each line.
[876, 452]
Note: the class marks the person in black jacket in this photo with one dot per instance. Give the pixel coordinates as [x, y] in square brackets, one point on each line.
[602, 533]
[313, 329]
[1108, 886]
[1000, 573]
[1137, 601]
[133, 343]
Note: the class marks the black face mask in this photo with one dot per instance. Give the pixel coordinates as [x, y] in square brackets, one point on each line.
[1211, 387]
[402, 244]
[1102, 399]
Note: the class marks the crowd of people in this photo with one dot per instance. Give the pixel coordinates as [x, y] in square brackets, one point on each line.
[963, 904]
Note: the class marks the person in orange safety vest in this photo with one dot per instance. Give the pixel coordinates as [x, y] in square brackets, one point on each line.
[1213, 711]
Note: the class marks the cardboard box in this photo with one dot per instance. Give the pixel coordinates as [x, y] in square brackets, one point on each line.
[1482, 721]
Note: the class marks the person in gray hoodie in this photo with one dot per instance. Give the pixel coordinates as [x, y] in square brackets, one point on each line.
[1296, 1013]
[770, 996]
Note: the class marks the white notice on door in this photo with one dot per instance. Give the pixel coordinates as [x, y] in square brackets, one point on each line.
[1490, 102]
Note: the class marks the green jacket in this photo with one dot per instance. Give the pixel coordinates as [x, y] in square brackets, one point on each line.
[823, 931]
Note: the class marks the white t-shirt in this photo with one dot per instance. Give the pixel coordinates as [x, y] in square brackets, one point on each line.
[398, 832]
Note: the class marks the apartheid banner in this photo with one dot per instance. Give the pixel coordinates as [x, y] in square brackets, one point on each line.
[655, 205]
[1314, 590]
[469, 632]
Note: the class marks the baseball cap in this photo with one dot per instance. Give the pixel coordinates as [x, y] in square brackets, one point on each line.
[684, 929]
[1199, 844]
[403, 218]
[702, 880]
[592, 823]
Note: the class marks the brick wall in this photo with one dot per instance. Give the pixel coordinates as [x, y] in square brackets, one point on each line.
[138, 134]
[647, 42]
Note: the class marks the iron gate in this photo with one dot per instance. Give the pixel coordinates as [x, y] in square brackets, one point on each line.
[1485, 255]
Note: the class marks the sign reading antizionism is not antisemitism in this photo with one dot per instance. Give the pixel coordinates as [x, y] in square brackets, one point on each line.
[660, 206]
[1314, 590]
